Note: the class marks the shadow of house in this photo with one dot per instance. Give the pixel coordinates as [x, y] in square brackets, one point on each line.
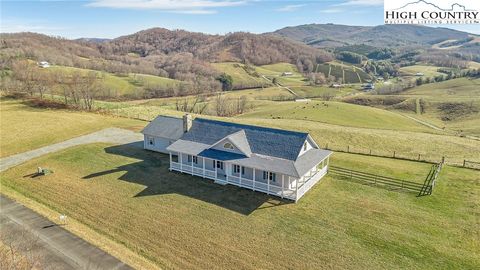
[152, 171]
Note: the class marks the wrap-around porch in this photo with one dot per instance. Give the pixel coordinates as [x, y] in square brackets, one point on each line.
[224, 172]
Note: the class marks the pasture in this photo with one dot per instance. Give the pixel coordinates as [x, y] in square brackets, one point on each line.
[174, 220]
[131, 84]
[25, 128]
[336, 113]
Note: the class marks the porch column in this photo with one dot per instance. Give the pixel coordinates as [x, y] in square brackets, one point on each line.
[240, 174]
[283, 184]
[191, 164]
[170, 167]
[296, 189]
[215, 165]
[181, 161]
[253, 180]
[203, 162]
[268, 182]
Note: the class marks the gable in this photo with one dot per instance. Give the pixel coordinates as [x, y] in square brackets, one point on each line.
[308, 144]
[260, 140]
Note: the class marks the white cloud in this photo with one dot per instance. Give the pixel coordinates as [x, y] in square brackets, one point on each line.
[176, 6]
[15, 26]
[290, 8]
[332, 10]
[361, 3]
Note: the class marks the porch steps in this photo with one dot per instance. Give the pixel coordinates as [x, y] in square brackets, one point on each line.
[220, 182]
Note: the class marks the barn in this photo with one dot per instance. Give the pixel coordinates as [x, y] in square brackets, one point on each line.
[162, 132]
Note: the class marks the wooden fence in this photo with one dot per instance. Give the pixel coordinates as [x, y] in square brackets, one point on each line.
[374, 179]
[471, 164]
[432, 176]
[423, 189]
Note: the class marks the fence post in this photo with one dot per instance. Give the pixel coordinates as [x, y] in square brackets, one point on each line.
[418, 156]
[464, 163]
[443, 159]
[326, 146]
[393, 154]
[348, 148]
[370, 152]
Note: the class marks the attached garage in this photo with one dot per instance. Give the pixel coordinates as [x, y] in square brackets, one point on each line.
[162, 132]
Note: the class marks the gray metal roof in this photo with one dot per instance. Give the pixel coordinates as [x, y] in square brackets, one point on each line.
[264, 141]
[205, 133]
[165, 127]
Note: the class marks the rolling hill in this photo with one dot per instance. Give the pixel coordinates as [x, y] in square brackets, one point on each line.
[334, 35]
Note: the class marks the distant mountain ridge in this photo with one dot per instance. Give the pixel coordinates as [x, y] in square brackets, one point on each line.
[334, 35]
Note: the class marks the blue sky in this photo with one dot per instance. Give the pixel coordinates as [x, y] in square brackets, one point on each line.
[113, 18]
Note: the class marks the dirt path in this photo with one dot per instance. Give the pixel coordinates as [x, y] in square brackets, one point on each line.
[48, 243]
[109, 135]
[284, 87]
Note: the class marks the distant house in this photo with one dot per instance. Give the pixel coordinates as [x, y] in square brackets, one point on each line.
[419, 74]
[278, 162]
[336, 85]
[44, 64]
[369, 86]
[287, 74]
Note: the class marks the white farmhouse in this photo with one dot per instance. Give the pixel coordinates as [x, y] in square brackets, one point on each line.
[274, 161]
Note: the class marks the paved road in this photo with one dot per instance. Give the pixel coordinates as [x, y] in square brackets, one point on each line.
[57, 247]
[109, 135]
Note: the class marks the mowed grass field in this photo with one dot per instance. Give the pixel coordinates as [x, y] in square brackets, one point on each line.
[179, 221]
[24, 128]
[337, 113]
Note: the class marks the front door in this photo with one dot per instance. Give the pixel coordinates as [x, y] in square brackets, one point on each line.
[220, 169]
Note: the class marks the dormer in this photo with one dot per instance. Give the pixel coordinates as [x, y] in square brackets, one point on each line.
[308, 144]
[234, 143]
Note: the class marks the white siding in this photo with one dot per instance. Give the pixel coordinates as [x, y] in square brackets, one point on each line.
[309, 146]
[157, 144]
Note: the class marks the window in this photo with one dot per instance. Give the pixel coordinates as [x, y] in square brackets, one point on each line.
[270, 176]
[236, 168]
[189, 159]
[151, 141]
[243, 170]
[220, 165]
[195, 159]
[305, 146]
[175, 158]
[228, 146]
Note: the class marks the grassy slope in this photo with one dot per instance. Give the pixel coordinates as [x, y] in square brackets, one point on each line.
[123, 85]
[429, 71]
[23, 128]
[458, 90]
[276, 70]
[239, 75]
[180, 221]
[337, 113]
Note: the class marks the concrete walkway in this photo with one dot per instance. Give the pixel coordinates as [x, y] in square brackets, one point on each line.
[53, 244]
[109, 135]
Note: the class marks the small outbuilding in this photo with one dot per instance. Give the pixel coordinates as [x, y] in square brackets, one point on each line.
[163, 131]
[44, 64]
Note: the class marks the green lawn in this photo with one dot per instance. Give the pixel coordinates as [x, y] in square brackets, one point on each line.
[24, 128]
[179, 221]
[337, 113]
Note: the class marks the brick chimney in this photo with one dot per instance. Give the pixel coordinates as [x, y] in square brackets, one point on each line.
[187, 122]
